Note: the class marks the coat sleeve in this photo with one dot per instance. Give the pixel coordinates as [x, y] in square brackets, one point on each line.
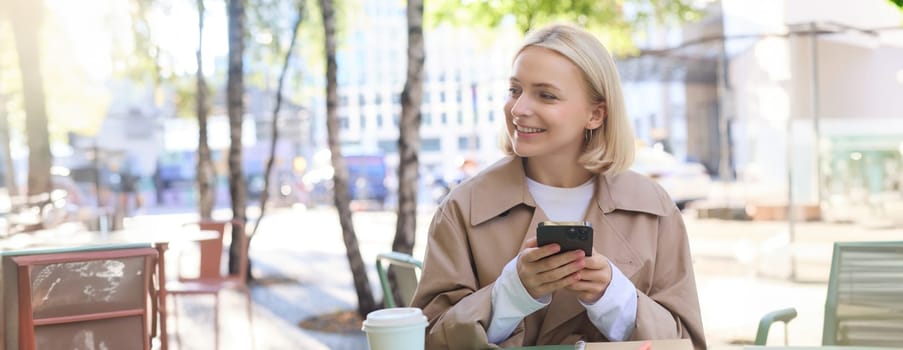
[458, 311]
[670, 308]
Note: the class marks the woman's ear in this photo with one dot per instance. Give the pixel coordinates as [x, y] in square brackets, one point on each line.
[597, 117]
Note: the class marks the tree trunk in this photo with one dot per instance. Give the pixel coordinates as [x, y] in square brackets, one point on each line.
[274, 132]
[235, 95]
[409, 135]
[26, 18]
[12, 188]
[206, 175]
[365, 300]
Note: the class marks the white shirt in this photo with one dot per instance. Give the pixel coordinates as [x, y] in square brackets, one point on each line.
[614, 315]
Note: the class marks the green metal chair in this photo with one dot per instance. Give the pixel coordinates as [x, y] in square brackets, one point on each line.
[864, 305]
[406, 269]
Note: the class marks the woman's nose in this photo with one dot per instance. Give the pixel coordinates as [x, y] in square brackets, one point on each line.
[521, 106]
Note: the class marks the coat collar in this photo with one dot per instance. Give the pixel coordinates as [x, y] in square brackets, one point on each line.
[503, 186]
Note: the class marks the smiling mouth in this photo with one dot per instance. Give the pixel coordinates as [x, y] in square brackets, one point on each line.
[526, 130]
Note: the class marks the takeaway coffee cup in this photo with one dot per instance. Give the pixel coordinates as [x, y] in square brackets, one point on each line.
[400, 328]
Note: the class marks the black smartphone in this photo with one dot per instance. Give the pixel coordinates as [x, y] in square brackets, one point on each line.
[570, 235]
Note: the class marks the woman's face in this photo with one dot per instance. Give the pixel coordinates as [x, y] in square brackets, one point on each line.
[548, 106]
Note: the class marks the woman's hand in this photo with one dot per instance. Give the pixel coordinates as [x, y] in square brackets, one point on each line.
[594, 279]
[543, 271]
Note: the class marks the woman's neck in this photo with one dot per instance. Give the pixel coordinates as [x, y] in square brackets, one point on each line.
[556, 171]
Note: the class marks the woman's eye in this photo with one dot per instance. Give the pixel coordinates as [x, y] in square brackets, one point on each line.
[513, 91]
[546, 96]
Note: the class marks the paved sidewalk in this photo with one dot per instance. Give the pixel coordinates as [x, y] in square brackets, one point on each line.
[742, 272]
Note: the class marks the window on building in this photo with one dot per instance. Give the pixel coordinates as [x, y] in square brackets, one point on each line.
[444, 118]
[491, 116]
[458, 96]
[343, 101]
[460, 118]
[431, 144]
[441, 96]
[361, 99]
[379, 120]
[468, 143]
[388, 146]
[397, 98]
[426, 118]
[378, 99]
[396, 119]
[463, 143]
[363, 119]
[343, 122]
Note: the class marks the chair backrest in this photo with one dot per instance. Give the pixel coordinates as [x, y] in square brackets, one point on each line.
[864, 305]
[88, 298]
[211, 251]
[406, 269]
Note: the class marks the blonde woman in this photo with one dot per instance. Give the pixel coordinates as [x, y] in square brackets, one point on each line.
[569, 143]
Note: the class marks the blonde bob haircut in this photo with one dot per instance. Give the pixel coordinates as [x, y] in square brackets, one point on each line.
[610, 150]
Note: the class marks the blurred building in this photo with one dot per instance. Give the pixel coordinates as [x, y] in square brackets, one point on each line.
[826, 96]
[759, 90]
[465, 84]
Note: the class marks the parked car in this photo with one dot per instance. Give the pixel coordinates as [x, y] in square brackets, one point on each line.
[684, 181]
[366, 180]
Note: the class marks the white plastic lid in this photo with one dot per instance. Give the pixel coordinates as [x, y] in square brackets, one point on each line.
[395, 317]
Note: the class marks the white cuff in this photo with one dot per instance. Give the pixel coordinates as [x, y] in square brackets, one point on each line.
[615, 313]
[511, 303]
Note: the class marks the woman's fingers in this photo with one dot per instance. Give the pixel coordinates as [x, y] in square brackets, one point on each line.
[533, 254]
[597, 261]
[550, 273]
[587, 291]
[545, 288]
[593, 282]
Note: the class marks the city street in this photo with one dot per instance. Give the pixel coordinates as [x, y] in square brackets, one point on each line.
[742, 273]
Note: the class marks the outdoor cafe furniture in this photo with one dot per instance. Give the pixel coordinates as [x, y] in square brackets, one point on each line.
[406, 269]
[667, 344]
[157, 238]
[634, 346]
[212, 276]
[71, 297]
[864, 304]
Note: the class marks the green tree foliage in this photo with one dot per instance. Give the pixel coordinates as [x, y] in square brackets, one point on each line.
[138, 49]
[613, 20]
[139, 56]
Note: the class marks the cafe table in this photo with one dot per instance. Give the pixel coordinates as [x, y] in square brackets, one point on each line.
[683, 344]
[71, 240]
[14, 286]
[636, 346]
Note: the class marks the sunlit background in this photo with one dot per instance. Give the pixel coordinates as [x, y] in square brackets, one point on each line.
[742, 109]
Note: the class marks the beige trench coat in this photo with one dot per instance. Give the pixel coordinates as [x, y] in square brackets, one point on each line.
[484, 223]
